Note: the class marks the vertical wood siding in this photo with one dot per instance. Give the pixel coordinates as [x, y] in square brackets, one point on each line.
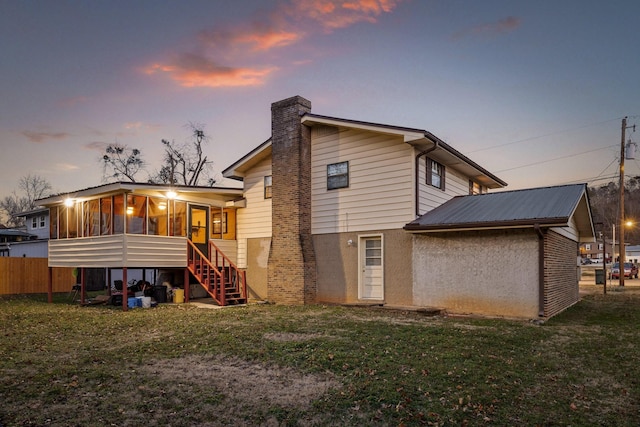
[380, 193]
[31, 276]
[561, 288]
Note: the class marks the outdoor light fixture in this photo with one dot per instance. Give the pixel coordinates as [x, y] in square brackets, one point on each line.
[162, 206]
[171, 194]
[129, 210]
[68, 202]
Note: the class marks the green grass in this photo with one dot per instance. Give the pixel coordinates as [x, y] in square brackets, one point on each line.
[61, 364]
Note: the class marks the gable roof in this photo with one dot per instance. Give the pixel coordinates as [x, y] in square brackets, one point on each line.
[419, 138]
[544, 206]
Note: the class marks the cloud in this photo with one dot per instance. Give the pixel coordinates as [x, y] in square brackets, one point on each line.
[96, 146]
[243, 55]
[337, 14]
[66, 166]
[72, 102]
[40, 137]
[504, 25]
[192, 70]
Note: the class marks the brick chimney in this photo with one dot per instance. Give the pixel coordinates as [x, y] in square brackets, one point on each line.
[292, 266]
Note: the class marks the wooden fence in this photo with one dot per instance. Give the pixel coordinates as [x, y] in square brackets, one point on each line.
[31, 276]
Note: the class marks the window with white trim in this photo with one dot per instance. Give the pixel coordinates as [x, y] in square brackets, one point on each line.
[337, 175]
[435, 174]
[268, 186]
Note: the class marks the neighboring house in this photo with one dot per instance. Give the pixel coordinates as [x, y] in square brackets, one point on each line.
[9, 237]
[324, 215]
[37, 226]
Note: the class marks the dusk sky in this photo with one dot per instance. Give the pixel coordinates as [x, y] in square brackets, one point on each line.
[533, 91]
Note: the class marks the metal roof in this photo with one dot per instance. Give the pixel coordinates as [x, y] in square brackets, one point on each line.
[546, 206]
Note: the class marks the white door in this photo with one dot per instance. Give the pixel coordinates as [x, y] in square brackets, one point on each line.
[371, 268]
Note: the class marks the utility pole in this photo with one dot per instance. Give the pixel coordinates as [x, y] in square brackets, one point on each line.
[622, 221]
[621, 227]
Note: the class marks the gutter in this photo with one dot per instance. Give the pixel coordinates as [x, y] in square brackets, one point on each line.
[417, 177]
[540, 234]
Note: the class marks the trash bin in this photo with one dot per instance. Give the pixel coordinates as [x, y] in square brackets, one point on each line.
[600, 276]
[160, 293]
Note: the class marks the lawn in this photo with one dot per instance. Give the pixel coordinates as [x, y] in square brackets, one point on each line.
[62, 364]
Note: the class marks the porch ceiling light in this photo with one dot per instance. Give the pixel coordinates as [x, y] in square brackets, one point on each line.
[129, 210]
[68, 202]
[171, 194]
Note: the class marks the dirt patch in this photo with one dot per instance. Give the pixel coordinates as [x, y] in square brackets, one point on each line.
[255, 385]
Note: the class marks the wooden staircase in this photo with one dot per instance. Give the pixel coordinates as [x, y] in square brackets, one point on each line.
[219, 276]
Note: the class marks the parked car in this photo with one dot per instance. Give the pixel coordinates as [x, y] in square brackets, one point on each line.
[586, 261]
[630, 270]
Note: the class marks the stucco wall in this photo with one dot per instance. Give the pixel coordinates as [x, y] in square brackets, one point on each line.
[257, 262]
[337, 267]
[489, 272]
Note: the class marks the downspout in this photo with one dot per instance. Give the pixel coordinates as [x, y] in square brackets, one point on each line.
[540, 234]
[417, 178]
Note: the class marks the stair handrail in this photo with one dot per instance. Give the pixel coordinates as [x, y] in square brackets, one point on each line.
[195, 255]
[240, 281]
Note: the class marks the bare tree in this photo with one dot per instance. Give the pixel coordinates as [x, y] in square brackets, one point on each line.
[121, 161]
[186, 164]
[32, 188]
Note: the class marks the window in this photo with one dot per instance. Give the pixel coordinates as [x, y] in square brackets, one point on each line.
[34, 222]
[136, 214]
[435, 174]
[475, 188]
[587, 246]
[105, 216]
[53, 222]
[219, 223]
[158, 219]
[337, 175]
[267, 187]
[600, 246]
[42, 221]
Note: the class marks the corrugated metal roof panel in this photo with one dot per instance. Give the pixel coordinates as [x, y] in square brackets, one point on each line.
[545, 204]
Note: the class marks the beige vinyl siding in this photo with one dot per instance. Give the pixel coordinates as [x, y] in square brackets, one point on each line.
[571, 232]
[380, 192]
[228, 247]
[109, 251]
[254, 220]
[456, 184]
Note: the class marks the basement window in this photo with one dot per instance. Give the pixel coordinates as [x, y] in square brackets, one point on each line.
[337, 175]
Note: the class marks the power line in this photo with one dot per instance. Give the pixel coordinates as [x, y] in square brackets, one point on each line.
[554, 159]
[543, 136]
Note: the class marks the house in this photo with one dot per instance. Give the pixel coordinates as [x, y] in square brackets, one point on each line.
[324, 214]
[10, 237]
[36, 222]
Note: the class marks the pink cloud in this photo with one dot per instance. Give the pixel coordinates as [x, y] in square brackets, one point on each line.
[504, 25]
[192, 70]
[40, 137]
[220, 51]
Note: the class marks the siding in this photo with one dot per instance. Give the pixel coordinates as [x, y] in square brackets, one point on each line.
[456, 184]
[228, 247]
[380, 192]
[253, 221]
[109, 251]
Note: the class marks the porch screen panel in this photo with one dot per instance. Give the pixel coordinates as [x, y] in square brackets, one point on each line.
[62, 222]
[136, 214]
[179, 219]
[105, 216]
[118, 214]
[53, 222]
[74, 216]
[91, 217]
[158, 221]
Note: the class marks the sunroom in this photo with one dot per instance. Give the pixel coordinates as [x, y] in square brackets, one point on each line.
[125, 225]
